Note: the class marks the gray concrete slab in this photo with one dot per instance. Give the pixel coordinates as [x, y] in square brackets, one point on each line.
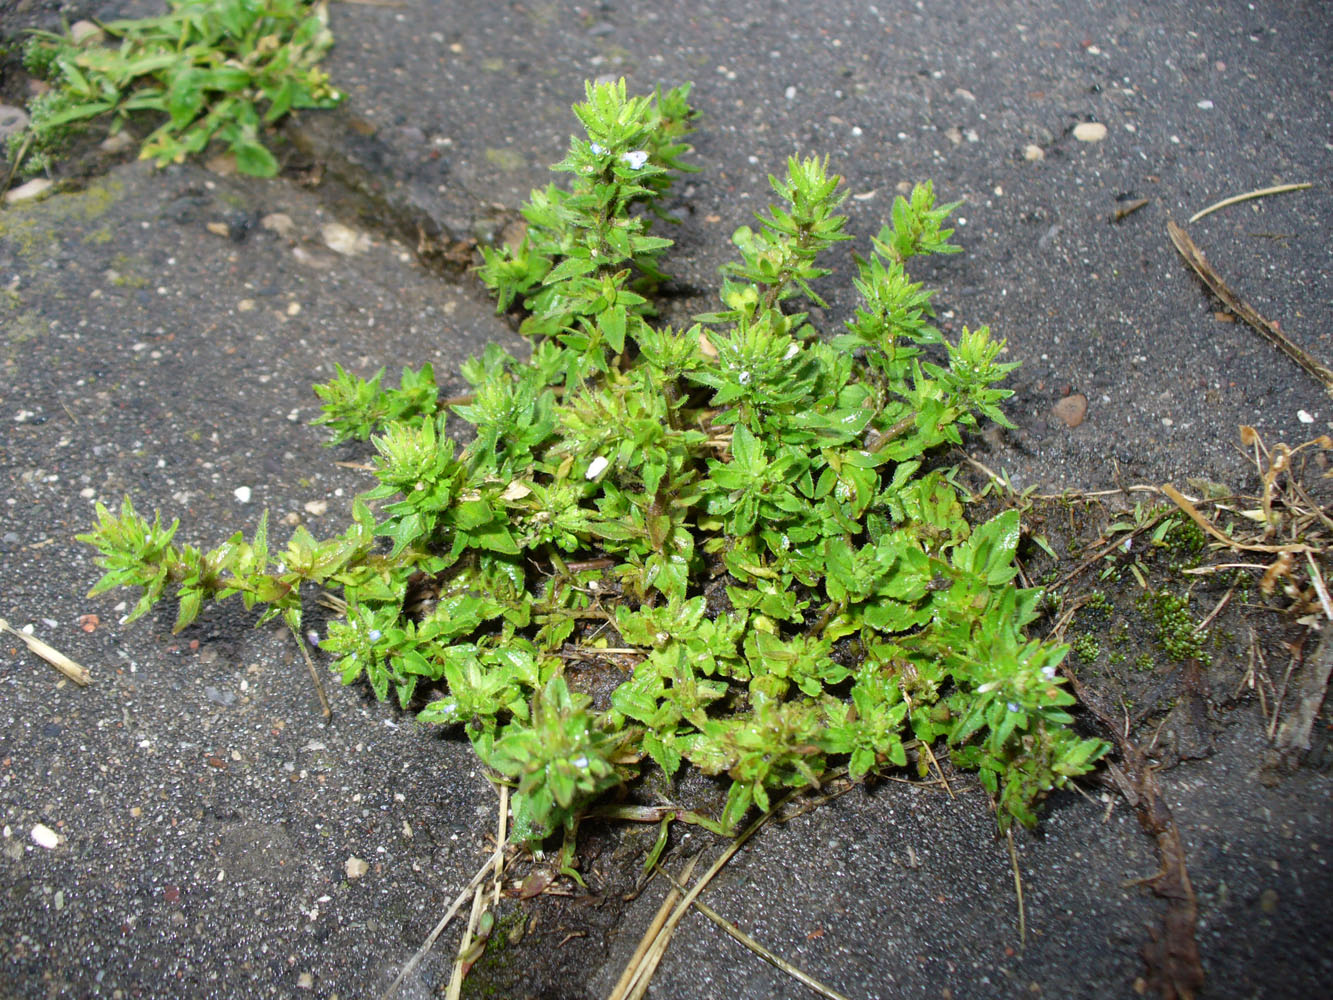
[205, 813]
[1200, 102]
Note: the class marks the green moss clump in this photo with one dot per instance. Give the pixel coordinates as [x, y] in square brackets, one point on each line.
[1086, 648]
[1175, 626]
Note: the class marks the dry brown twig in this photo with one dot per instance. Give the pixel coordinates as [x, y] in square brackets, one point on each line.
[1294, 735]
[325, 709]
[1196, 260]
[1018, 888]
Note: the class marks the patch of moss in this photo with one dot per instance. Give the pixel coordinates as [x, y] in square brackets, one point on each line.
[1098, 603]
[1185, 545]
[484, 980]
[1086, 647]
[1175, 626]
[24, 328]
[37, 229]
[123, 272]
[507, 160]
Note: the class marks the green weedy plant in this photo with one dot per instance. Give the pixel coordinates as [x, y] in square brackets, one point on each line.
[219, 69]
[746, 505]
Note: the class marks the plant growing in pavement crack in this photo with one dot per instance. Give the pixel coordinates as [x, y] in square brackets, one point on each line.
[736, 520]
[219, 69]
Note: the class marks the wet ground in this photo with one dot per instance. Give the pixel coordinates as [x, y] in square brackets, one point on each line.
[161, 332]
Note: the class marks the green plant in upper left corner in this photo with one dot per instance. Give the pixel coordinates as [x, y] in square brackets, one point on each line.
[218, 69]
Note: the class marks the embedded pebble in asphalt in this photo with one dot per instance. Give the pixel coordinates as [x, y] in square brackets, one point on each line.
[1089, 131]
[344, 240]
[12, 120]
[1072, 409]
[34, 188]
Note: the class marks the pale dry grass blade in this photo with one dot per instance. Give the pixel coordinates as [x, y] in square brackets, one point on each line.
[648, 963]
[650, 935]
[1247, 196]
[769, 956]
[78, 674]
[500, 834]
[429, 943]
[464, 944]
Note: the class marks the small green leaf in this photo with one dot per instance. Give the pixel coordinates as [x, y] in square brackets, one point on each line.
[253, 159]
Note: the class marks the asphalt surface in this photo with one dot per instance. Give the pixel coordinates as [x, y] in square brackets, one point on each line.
[206, 815]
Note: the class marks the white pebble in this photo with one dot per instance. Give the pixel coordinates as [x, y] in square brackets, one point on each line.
[1205, 105]
[26, 192]
[277, 222]
[344, 240]
[44, 836]
[1089, 131]
[242, 493]
[1304, 417]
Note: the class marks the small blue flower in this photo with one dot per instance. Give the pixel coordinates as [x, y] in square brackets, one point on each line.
[580, 761]
[1013, 706]
[1048, 672]
[374, 635]
[636, 159]
[597, 148]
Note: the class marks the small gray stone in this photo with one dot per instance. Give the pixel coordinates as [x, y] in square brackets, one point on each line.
[12, 120]
[219, 697]
[83, 33]
[117, 143]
